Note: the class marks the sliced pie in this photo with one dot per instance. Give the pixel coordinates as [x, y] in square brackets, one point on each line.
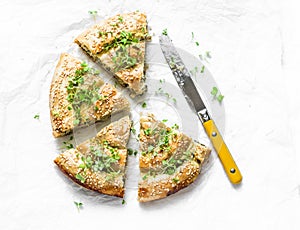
[169, 160]
[118, 44]
[78, 96]
[99, 163]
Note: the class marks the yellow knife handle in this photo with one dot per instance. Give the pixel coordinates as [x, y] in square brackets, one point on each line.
[227, 160]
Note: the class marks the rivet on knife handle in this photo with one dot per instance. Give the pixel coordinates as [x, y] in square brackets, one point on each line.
[227, 160]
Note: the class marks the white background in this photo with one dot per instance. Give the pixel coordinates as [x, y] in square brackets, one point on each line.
[255, 48]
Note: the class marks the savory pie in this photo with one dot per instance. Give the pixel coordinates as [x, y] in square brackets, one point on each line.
[78, 96]
[169, 160]
[99, 163]
[118, 44]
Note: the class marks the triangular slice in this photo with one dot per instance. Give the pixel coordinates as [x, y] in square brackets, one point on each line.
[99, 163]
[78, 96]
[169, 160]
[118, 44]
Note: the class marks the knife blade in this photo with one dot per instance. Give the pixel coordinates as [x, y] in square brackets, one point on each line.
[190, 92]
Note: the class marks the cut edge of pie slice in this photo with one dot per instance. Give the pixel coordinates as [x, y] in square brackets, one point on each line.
[99, 163]
[124, 34]
[79, 96]
[169, 160]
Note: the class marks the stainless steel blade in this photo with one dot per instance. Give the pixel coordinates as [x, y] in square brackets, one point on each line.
[181, 74]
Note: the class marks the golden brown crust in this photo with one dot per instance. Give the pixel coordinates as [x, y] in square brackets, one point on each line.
[94, 42]
[70, 162]
[69, 165]
[61, 112]
[158, 189]
[61, 117]
[182, 153]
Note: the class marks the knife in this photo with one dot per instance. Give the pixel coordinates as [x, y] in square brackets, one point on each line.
[192, 96]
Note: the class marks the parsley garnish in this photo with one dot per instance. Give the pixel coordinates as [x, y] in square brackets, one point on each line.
[120, 18]
[220, 98]
[214, 92]
[125, 39]
[93, 12]
[79, 205]
[36, 116]
[164, 120]
[78, 96]
[80, 177]
[67, 144]
[197, 43]
[165, 32]
[132, 152]
[202, 69]
[147, 132]
[144, 105]
[175, 180]
[207, 53]
[122, 59]
[193, 36]
[123, 202]
[133, 130]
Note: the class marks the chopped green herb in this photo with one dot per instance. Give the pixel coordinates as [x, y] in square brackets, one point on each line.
[145, 177]
[162, 81]
[214, 91]
[36, 116]
[220, 98]
[125, 39]
[93, 12]
[165, 32]
[207, 53]
[79, 205]
[147, 131]
[175, 126]
[164, 120]
[123, 202]
[78, 96]
[132, 152]
[120, 18]
[55, 113]
[197, 43]
[80, 177]
[175, 180]
[202, 69]
[133, 130]
[193, 36]
[67, 144]
[144, 105]
[205, 56]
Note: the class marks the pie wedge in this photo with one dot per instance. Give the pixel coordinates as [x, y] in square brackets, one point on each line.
[99, 163]
[118, 44]
[78, 96]
[169, 160]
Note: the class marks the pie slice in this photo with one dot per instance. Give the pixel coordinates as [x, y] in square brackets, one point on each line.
[99, 163]
[118, 44]
[169, 160]
[78, 96]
